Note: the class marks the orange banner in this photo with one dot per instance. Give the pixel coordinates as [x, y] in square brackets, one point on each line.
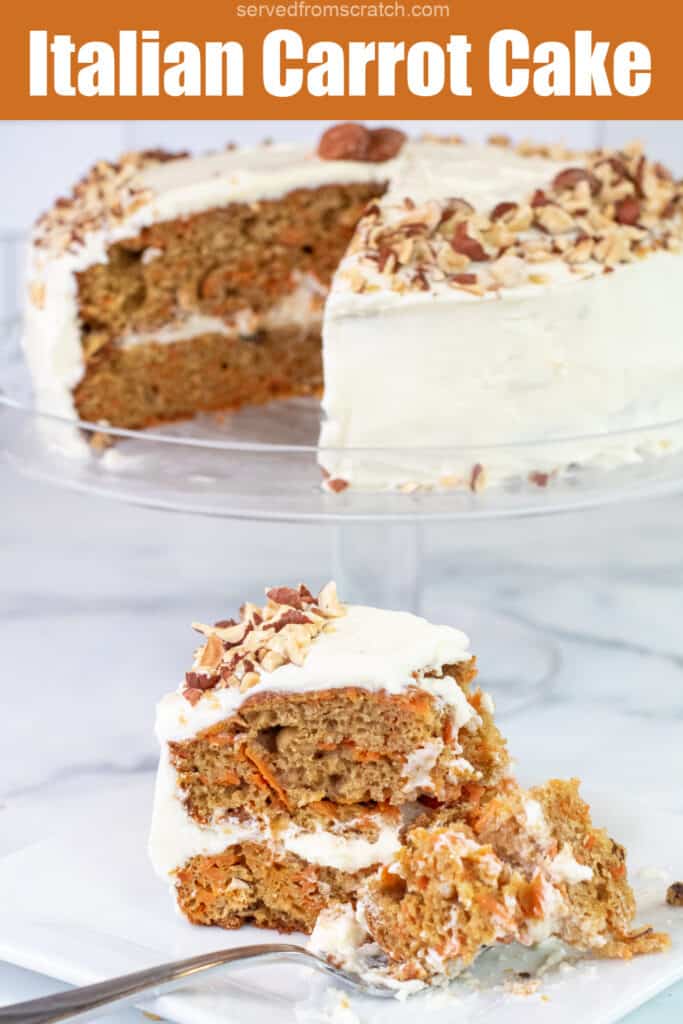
[298, 59]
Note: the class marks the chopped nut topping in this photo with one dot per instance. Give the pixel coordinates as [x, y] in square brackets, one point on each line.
[478, 478]
[573, 176]
[328, 601]
[336, 484]
[627, 211]
[211, 654]
[464, 279]
[580, 252]
[349, 141]
[502, 209]
[463, 243]
[265, 638]
[554, 219]
[103, 199]
[613, 208]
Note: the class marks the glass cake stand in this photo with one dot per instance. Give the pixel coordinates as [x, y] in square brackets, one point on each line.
[262, 464]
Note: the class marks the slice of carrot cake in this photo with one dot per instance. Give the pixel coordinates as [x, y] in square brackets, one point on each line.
[301, 743]
[330, 769]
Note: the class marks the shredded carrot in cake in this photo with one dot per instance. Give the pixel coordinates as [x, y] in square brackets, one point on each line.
[266, 773]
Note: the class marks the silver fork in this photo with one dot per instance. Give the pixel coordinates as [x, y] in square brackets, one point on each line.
[89, 1001]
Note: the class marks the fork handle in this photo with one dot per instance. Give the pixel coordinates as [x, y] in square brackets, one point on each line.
[80, 1004]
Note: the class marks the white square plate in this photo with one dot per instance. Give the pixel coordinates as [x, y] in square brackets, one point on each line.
[86, 905]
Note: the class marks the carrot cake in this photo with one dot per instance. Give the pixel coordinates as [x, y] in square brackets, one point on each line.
[516, 305]
[300, 742]
[331, 769]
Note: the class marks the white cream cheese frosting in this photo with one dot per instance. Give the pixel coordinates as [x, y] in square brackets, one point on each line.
[514, 379]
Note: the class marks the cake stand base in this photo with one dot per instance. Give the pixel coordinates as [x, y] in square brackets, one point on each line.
[383, 564]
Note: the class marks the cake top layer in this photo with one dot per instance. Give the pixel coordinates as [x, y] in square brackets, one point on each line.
[457, 218]
[472, 222]
[297, 643]
[117, 199]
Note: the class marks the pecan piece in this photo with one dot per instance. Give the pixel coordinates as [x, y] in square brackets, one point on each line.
[192, 695]
[284, 595]
[627, 211]
[501, 209]
[470, 247]
[385, 143]
[292, 617]
[454, 204]
[337, 484]
[478, 478]
[465, 278]
[617, 165]
[539, 198]
[198, 681]
[347, 141]
[571, 176]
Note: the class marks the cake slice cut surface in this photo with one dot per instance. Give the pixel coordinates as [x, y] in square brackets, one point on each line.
[331, 769]
[520, 867]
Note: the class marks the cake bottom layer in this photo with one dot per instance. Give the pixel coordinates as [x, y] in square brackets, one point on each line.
[255, 883]
[152, 382]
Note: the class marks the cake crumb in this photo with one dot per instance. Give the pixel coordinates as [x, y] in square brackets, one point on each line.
[522, 984]
[674, 894]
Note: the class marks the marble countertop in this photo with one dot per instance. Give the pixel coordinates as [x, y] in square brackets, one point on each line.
[96, 600]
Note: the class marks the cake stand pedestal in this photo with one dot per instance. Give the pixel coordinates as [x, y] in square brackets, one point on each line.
[384, 564]
[262, 464]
